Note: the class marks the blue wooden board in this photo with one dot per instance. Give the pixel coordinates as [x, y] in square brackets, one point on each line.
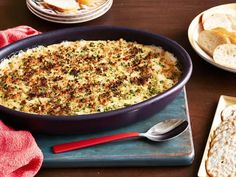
[131, 152]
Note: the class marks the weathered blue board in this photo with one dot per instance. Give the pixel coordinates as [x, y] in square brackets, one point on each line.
[131, 152]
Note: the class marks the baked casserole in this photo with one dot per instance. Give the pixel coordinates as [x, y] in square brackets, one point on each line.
[83, 77]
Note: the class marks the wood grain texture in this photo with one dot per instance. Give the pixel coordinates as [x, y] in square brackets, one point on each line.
[166, 17]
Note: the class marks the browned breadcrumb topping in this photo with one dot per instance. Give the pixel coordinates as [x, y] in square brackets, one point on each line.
[83, 77]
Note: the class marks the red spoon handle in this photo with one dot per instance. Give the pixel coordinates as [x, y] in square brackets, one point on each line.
[93, 141]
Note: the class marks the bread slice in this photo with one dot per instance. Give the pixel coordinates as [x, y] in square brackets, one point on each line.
[217, 20]
[232, 19]
[208, 40]
[220, 10]
[85, 2]
[225, 55]
[227, 34]
[65, 6]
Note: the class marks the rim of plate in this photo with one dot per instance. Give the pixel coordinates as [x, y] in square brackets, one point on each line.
[51, 12]
[73, 20]
[193, 31]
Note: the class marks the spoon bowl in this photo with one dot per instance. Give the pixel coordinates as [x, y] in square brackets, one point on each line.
[166, 130]
[162, 131]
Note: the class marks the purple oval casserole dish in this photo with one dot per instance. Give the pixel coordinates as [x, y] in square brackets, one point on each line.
[98, 121]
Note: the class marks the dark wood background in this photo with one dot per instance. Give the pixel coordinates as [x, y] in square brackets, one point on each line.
[167, 17]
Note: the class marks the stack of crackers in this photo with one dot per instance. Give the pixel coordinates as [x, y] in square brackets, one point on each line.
[221, 160]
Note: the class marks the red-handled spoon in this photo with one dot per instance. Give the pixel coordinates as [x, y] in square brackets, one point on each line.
[162, 131]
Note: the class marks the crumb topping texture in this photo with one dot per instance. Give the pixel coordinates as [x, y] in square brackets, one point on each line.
[83, 77]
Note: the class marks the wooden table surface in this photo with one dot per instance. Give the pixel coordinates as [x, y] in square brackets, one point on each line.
[165, 17]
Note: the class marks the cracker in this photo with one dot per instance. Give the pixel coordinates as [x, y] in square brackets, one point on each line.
[224, 130]
[221, 160]
[229, 112]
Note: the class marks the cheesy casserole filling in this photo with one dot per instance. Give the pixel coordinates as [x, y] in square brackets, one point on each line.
[82, 77]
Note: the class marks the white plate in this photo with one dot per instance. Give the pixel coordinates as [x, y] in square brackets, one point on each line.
[37, 4]
[73, 20]
[195, 28]
[224, 101]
